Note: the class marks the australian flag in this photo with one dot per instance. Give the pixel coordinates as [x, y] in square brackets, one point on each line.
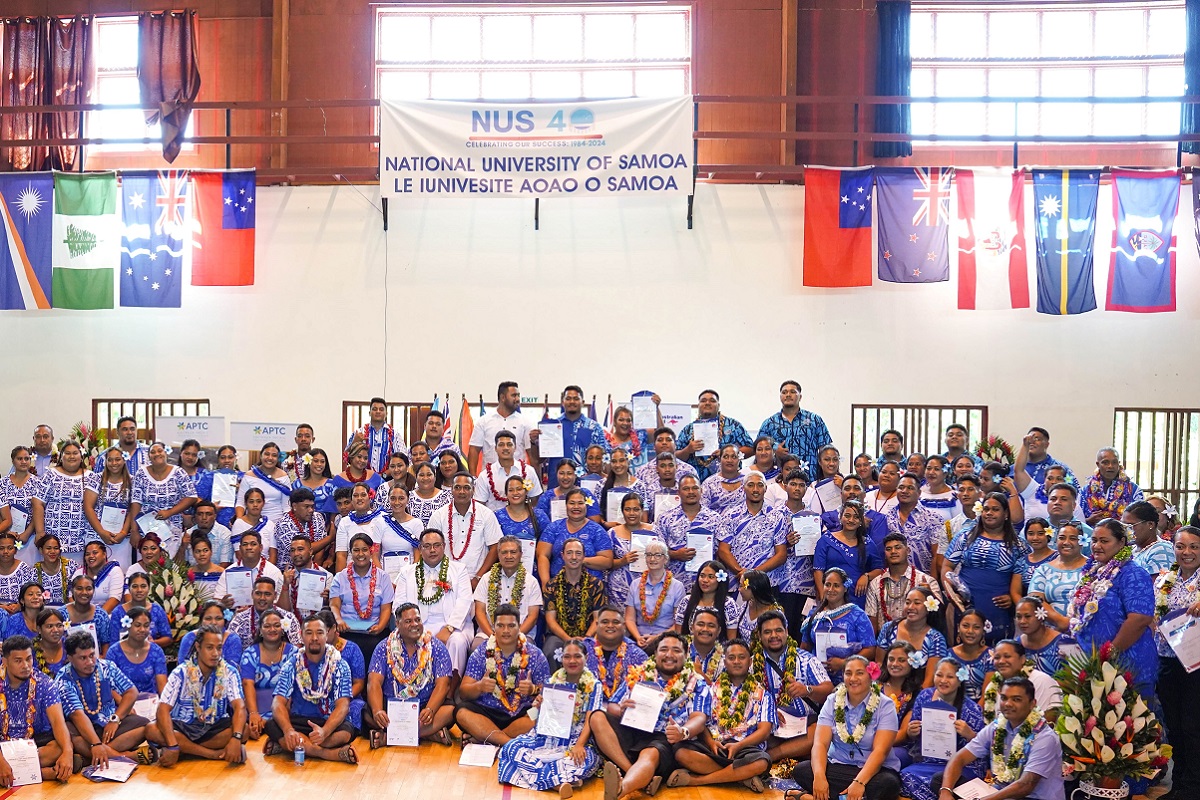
[914, 223]
[1065, 204]
[154, 212]
[1141, 275]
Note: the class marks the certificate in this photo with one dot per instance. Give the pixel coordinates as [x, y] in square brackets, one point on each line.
[404, 723]
[975, 789]
[550, 439]
[554, 716]
[90, 629]
[224, 488]
[702, 543]
[394, 562]
[1183, 634]
[808, 527]
[1068, 647]
[112, 519]
[706, 432]
[591, 486]
[171, 540]
[558, 510]
[938, 737]
[664, 503]
[826, 640]
[22, 758]
[239, 584]
[829, 494]
[310, 585]
[146, 706]
[637, 544]
[20, 521]
[150, 523]
[477, 755]
[612, 510]
[645, 412]
[648, 702]
[528, 555]
[119, 770]
[791, 725]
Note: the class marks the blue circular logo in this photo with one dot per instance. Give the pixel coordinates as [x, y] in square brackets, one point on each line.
[582, 119]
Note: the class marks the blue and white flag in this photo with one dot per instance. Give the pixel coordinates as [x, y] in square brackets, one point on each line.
[914, 223]
[1141, 275]
[154, 211]
[27, 215]
[1065, 203]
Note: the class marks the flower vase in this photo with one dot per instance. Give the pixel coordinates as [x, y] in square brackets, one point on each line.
[1104, 788]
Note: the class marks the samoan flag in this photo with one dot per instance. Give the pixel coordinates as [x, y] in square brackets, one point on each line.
[154, 212]
[1141, 274]
[26, 261]
[914, 223]
[1065, 203]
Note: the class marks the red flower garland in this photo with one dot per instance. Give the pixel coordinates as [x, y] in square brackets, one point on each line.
[492, 482]
[450, 531]
[370, 593]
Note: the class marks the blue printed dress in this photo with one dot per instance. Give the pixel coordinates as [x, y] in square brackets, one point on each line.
[1055, 585]
[987, 569]
[916, 777]
[144, 675]
[265, 676]
[977, 669]
[833, 552]
[1132, 592]
[848, 619]
[538, 762]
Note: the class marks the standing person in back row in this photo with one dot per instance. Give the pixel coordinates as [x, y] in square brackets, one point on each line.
[797, 431]
[380, 438]
[506, 417]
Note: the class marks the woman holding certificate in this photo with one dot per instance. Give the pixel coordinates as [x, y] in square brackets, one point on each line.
[839, 629]
[164, 491]
[852, 750]
[723, 490]
[625, 549]
[544, 758]
[954, 719]
[17, 490]
[269, 478]
[13, 574]
[260, 664]
[58, 504]
[1176, 594]
[107, 496]
[620, 481]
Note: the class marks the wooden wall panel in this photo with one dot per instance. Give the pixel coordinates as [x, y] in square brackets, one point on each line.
[835, 56]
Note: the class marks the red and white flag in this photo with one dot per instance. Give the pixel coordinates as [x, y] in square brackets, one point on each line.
[993, 268]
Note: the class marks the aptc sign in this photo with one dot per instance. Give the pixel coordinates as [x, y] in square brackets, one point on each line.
[176, 430]
[434, 148]
[253, 435]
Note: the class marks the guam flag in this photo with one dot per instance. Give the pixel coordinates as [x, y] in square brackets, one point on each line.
[914, 223]
[1141, 275]
[27, 215]
[1065, 203]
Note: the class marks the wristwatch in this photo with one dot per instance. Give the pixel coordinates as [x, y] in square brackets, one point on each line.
[239, 736]
[114, 717]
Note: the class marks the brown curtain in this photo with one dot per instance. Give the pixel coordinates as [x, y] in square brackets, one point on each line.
[168, 73]
[48, 61]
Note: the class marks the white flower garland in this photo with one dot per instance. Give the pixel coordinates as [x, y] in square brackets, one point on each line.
[1008, 769]
[841, 700]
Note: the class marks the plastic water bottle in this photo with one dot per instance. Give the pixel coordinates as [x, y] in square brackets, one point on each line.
[298, 753]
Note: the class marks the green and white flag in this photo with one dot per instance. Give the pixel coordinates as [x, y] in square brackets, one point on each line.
[87, 240]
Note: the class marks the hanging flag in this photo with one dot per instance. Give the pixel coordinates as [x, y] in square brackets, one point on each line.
[1065, 202]
[608, 415]
[1141, 274]
[153, 208]
[25, 252]
[463, 432]
[223, 253]
[87, 240]
[993, 272]
[914, 223]
[837, 226]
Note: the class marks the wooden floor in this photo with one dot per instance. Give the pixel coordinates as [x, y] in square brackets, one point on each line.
[430, 772]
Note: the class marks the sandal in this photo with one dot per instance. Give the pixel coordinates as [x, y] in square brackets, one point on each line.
[146, 754]
[443, 737]
[271, 747]
[754, 784]
[655, 785]
[612, 781]
[347, 755]
[376, 740]
[680, 777]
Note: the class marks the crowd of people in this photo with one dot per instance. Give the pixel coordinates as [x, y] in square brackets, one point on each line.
[722, 608]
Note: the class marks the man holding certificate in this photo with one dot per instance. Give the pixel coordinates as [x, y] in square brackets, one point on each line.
[33, 711]
[682, 527]
[1029, 761]
[410, 666]
[798, 682]
[248, 622]
[700, 440]
[662, 703]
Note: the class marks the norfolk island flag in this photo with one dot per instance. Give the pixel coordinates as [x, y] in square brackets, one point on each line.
[87, 240]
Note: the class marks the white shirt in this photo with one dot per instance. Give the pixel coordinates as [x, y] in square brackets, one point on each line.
[499, 475]
[484, 436]
[304, 612]
[455, 607]
[111, 588]
[240, 526]
[275, 502]
[872, 502]
[531, 595]
[776, 495]
[485, 533]
[221, 539]
[946, 514]
[1036, 508]
[269, 570]
[347, 529]
[1047, 694]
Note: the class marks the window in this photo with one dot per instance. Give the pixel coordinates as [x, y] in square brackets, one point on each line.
[923, 427]
[1065, 50]
[106, 412]
[552, 53]
[116, 47]
[1158, 448]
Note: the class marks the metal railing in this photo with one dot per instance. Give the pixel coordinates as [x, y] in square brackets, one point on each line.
[923, 427]
[1159, 448]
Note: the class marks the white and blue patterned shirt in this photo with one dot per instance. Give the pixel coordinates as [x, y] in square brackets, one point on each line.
[155, 495]
[79, 694]
[178, 695]
[63, 498]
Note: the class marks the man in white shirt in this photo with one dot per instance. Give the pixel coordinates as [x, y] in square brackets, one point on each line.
[470, 529]
[250, 557]
[205, 515]
[489, 489]
[506, 417]
[442, 589]
[505, 576]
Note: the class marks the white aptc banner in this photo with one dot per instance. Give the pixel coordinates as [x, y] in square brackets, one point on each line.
[176, 430]
[253, 435]
[439, 148]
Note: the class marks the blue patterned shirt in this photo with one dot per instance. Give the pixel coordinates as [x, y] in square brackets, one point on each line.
[79, 694]
[179, 696]
[729, 431]
[440, 668]
[696, 701]
[803, 436]
[45, 695]
[578, 436]
[538, 672]
[287, 687]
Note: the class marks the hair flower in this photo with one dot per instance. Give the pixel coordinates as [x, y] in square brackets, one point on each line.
[977, 508]
[987, 626]
[722, 575]
[932, 604]
[167, 449]
[963, 674]
[200, 454]
[873, 670]
[558, 654]
[307, 459]
[917, 659]
[126, 622]
[1041, 613]
[528, 484]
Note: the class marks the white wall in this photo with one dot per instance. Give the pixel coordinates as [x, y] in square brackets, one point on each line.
[613, 295]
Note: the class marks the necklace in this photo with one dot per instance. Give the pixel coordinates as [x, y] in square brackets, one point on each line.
[491, 476]
[317, 692]
[358, 609]
[518, 589]
[90, 711]
[841, 700]
[897, 593]
[1007, 770]
[583, 691]
[731, 706]
[193, 678]
[715, 660]
[441, 585]
[572, 614]
[879, 494]
[609, 686]
[450, 531]
[677, 686]
[662, 595]
[30, 708]
[506, 684]
[991, 692]
[791, 656]
[1094, 584]
[410, 683]
[1165, 583]
[309, 531]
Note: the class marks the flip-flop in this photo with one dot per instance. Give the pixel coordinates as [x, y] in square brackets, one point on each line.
[271, 747]
[375, 740]
[443, 737]
[612, 781]
[347, 755]
[754, 784]
[146, 754]
[680, 777]
[566, 792]
[654, 786]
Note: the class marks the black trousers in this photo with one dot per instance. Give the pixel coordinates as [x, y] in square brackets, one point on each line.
[884, 786]
[1176, 690]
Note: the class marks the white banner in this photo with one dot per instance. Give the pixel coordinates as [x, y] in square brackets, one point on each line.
[205, 430]
[439, 148]
[675, 415]
[253, 435]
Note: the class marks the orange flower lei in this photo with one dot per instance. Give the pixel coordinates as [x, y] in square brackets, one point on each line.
[506, 685]
[662, 596]
[358, 609]
[605, 685]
